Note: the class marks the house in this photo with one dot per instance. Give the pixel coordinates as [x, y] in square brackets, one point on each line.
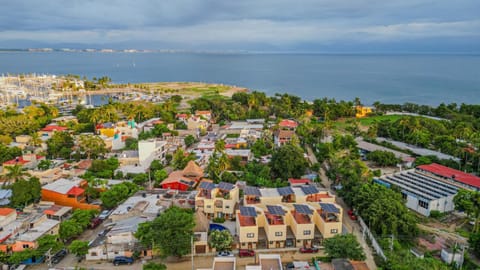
[217, 201]
[184, 179]
[362, 111]
[23, 141]
[222, 263]
[150, 150]
[140, 204]
[244, 154]
[267, 261]
[423, 190]
[207, 115]
[197, 123]
[287, 217]
[68, 193]
[282, 137]
[299, 182]
[200, 232]
[288, 124]
[27, 161]
[48, 131]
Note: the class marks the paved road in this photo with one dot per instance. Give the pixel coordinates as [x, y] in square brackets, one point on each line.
[350, 225]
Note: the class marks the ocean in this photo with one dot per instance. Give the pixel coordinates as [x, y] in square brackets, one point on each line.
[423, 79]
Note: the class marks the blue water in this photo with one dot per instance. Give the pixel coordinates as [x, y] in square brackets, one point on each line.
[425, 79]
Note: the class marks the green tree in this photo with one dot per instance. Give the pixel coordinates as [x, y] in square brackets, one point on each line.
[18, 257]
[92, 146]
[474, 241]
[15, 173]
[79, 248]
[25, 192]
[44, 164]
[69, 229]
[118, 193]
[60, 145]
[180, 160]
[288, 162]
[189, 140]
[383, 158]
[469, 201]
[171, 231]
[48, 242]
[344, 246]
[154, 266]
[9, 153]
[160, 175]
[220, 240]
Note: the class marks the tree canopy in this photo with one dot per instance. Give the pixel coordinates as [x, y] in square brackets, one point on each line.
[170, 233]
[220, 240]
[288, 162]
[344, 246]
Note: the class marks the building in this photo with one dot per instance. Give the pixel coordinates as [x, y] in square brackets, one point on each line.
[288, 124]
[418, 151]
[287, 217]
[267, 262]
[222, 263]
[200, 232]
[344, 264]
[48, 131]
[455, 177]
[217, 201]
[366, 147]
[184, 179]
[362, 111]
[5, 195]
[423, 192]
[245, 155]
[27, 161]
[282, 137]
[68, 193]
[150, 150]
[141, 204]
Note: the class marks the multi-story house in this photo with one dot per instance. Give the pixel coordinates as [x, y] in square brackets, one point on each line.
[217, 201]
[149, 150]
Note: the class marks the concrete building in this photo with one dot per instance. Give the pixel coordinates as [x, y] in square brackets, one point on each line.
[217, 201]
[150, 150]
[451, 176]
[68, 193]
[422, 191]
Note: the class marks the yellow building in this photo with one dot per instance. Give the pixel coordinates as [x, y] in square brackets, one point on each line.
[217, 201]
[362, 111]
[300, 216]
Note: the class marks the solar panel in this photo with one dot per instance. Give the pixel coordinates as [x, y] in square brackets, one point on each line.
[328, 207]
[285, 191]
[225, 186]
[207, 185]
[275, 210]
[252, 191]
[248, 211]
[303, 209]
[309, 190]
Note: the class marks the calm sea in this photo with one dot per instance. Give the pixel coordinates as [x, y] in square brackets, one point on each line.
[425, 79]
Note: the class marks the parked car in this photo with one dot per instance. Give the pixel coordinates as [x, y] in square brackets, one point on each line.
[224, 254]
[122, 260]
[308, 250]
[94, 223]
[290, 265]
[59, 256]
[246, 253]
[104, 214]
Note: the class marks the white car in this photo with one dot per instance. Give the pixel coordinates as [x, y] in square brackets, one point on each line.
[104, 214]
[224, 254]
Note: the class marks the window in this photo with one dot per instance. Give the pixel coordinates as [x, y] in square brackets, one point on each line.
[271, 242]
[116, 252]
[227, 206]
[307, 232]
[25, 245]
[333, 231]
[250, 235]
[423, 204]
[243, 244]
[93, 254]
[278, 233]
[209, 206]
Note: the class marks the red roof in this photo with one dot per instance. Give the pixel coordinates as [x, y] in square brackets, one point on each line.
[50, 128]
[6, 211]
[182, 115]
[230, 145]
[456, 175]
[299, 181]
[288, 123]
[75, 191]
[20, 160]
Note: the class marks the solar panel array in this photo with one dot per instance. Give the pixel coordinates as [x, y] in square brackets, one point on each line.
[225, 186]
[328, 207]
[285, 191]
[252, 191]
[303, 209]
[309, 189]
[248, 211]
[275, 210]
[207, 185]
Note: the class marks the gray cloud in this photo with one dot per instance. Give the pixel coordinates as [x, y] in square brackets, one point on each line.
[278, 23]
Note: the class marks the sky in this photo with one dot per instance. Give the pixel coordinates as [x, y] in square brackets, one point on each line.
[250, 25]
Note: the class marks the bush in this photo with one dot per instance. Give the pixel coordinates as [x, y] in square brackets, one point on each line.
[218, 220]
[436, 214]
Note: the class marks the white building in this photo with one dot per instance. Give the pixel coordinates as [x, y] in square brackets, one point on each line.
[423, 192]
[150, 150]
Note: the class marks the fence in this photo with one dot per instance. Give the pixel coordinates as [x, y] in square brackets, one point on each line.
[375, 245]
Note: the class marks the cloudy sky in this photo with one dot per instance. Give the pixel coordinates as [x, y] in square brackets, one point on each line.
[256, 25]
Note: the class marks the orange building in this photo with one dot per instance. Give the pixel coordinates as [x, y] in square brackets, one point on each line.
[68, 193]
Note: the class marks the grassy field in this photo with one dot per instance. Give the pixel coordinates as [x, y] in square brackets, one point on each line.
[191, 88]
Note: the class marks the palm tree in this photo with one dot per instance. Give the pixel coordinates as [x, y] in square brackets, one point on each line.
[15, 173]
[36, 140]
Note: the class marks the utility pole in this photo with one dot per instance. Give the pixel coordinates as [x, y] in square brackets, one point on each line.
[191, 251]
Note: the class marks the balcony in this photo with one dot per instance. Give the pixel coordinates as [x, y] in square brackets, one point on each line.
[317, 197]
[205, 194]
[288, 198]
[246, 221]
[328, 217]
[274, 219]
[301, 218]
[252, 199]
